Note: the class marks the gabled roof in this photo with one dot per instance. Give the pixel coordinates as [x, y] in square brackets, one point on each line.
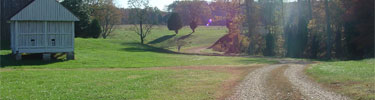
[44, 10]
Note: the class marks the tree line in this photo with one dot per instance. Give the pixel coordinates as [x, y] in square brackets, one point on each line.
[319, 29]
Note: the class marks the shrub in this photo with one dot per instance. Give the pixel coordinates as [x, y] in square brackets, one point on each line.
[174, 22]
[95, 29]
[193, 25]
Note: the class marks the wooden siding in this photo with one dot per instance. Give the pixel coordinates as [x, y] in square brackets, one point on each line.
[9, 8]
[42, 36]
[44, 10]
[60, 32]
[30, 34]
[12, 39]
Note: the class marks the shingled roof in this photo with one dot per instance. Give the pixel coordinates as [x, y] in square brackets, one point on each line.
[44, 10]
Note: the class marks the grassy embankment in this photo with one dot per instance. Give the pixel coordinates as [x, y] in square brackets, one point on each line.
[353, 78]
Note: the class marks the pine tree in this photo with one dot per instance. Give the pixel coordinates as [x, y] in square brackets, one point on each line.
[95, 29]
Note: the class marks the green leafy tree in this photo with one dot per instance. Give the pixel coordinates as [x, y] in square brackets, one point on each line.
[95, 29]
[80, 9]
[174, 22]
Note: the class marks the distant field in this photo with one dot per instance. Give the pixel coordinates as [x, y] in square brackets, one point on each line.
[352, 78]
[162, 37]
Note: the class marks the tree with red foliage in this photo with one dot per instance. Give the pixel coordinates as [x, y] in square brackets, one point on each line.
[230, 43]
[359, 28]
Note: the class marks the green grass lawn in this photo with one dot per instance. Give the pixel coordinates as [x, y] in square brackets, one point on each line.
[353, 78]
[110, 84]
[112, 53]
[122, 50]
[119, 68]
[162, 37]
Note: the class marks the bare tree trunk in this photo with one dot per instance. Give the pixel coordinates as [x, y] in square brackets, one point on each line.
[310, 9]
[141, 28]
[105, 28]
[282, 12]
[329, 31]
[249, 4]
[338, 42]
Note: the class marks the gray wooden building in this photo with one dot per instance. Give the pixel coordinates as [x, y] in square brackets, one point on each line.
[43, 26]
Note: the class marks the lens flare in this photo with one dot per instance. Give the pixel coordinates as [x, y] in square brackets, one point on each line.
[209, 22]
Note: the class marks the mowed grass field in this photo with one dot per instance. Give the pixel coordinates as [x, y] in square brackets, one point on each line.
[110, 84]
[353, 78]
[164, 38]
[121, 68]
[122, 50]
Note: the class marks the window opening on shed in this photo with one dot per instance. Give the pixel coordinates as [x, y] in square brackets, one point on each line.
[53, 42]
[32, 42]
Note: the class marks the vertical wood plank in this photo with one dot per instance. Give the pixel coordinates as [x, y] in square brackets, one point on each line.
[73, 36]
[16, 36]
[45, 36]
[61, 25]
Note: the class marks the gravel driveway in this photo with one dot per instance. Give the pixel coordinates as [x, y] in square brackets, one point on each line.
[308, 88]
[254, 85]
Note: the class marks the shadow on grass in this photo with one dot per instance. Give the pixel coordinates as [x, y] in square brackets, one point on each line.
[263, 60]
[31, 59]
[137, 47]
[185, 36]
[161, 39]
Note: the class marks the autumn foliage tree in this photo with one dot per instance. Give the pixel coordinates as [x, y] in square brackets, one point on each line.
[193, 25]
[108, 16]
[191, 10]
[359, 28]
[230, 43]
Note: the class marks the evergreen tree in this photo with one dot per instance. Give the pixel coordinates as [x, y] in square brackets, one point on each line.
[174, 22]
[95, 29]
[82, 11]
[270, 45]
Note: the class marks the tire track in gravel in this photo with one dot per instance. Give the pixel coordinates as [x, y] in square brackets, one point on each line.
[279, 87]
[310, 89]
[252, 87]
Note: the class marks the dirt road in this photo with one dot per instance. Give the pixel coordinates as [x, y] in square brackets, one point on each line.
[284, 81]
